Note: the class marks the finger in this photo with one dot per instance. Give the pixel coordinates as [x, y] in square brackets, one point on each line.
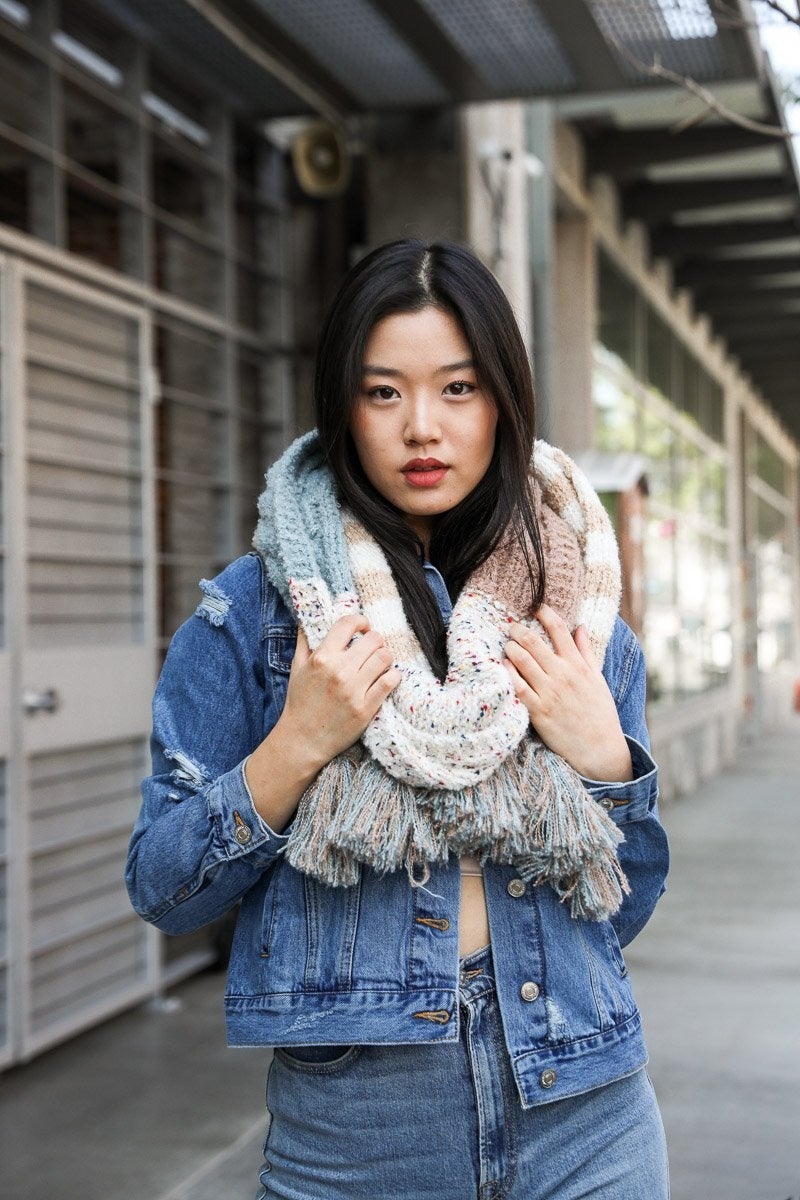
[522, 690]
[342, 632]
[556, 629]
[532, 643]
[369, 654]
[526, 666]
[583, 642]
[377, 692]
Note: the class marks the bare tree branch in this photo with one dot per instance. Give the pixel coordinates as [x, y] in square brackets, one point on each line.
[713, 104]
[783, 11]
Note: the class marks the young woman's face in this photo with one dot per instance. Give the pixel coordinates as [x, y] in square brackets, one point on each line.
[423, 428]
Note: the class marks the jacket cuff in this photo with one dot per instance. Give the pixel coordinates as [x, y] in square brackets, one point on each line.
[633, 799]
[240, 831]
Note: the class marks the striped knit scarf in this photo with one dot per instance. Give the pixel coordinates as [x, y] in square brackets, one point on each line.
[453, 766]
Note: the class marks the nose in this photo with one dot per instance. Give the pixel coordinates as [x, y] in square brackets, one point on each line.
[422, 425]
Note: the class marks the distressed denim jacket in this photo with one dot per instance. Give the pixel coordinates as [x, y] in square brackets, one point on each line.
[377, 962]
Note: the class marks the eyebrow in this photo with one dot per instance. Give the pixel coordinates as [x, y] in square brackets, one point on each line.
[373, 369]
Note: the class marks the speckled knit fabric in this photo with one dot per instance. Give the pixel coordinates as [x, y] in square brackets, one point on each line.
[452, 766]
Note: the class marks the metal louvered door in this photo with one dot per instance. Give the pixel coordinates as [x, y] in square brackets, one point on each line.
[84, 596]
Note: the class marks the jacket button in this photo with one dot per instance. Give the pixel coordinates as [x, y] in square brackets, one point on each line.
[243, 834]
[607, 803]
[548, 1078]
[516, 888]
[529, 991]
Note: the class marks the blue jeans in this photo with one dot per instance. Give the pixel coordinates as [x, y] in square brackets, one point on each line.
[445, 1123]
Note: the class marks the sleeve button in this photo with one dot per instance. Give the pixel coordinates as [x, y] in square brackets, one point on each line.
[243, 834]
[516, 888]
[548, 1078]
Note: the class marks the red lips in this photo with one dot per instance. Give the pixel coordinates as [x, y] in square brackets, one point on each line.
[422, 464]
[424, 472]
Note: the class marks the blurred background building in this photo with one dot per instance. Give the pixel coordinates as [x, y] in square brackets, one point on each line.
[173, 218]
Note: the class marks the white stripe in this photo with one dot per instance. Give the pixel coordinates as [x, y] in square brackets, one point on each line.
[367, 556]
[598, 613]
[601, 547]
[574, 516]
[387, 615]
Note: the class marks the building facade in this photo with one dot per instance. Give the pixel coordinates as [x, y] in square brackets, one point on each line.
[161, 280]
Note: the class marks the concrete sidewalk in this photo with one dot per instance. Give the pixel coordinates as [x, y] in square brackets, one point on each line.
[152, 1106]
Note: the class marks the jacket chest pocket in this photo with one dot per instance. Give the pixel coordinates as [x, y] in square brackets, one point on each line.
[280, 643]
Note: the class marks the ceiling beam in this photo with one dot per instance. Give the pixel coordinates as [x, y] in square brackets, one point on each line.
[679, 241]
[264, 43]
[654, 202]
[458, 75]
[628, 152]
[719, 301]
[737, 37]
[710, 271]
[764, 327]
[785, 355]
[596, 66]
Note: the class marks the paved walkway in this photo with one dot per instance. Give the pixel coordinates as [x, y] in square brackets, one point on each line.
[151, 1106]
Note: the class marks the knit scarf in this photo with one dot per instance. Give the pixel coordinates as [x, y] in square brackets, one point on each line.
[453, 766]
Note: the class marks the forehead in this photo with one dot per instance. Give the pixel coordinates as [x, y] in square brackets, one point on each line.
[430, 334]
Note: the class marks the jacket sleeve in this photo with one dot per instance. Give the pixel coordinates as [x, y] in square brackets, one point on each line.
[198, 844]
[633, 805]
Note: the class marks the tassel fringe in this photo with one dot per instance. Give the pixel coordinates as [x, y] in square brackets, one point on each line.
[533, 814]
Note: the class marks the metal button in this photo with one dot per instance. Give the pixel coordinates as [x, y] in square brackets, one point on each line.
[243, 834]
[529, 990]
[516, 888]
[548, 1078]
[607, 803]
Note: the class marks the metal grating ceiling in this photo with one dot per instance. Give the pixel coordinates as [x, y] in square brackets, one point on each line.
[509, 41]
[682, 33]
[180, 36]
[360, 49]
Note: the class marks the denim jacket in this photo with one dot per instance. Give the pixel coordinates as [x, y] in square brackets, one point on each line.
[377, 962]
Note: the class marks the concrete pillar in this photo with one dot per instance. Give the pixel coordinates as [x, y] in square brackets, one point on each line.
[495, 181]
[575, 306]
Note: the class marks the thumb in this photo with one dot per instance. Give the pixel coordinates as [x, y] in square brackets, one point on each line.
[302, 653]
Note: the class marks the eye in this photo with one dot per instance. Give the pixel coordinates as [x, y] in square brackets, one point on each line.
[459, 387]
[382, 392]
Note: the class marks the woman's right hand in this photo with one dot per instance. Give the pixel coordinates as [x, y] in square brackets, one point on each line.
[332, 696]
[335, 691]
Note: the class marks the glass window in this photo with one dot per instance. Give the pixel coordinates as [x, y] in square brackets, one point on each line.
[87, 27]
[769, 465]
[617, 328]
[183, 188]
[615, 414]
[22, 176]
[689, 397]
[659, 354]
[186, 269]
[97, 137]
[23, 92]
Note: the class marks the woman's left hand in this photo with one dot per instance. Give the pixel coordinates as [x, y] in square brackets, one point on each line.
[567, 697]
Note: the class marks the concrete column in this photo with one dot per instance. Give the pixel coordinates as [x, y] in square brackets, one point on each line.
[574, 308]
[495, 182]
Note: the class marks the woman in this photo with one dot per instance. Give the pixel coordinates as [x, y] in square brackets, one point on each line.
[389, 735]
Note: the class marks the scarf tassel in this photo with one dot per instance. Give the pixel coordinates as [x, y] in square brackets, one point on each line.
[535, 815]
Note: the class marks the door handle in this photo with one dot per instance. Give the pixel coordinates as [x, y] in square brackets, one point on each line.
[46, 701]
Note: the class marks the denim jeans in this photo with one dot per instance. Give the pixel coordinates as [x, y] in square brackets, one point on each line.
[445, 1123]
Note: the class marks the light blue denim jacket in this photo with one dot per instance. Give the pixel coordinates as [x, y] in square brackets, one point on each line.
[377, 962]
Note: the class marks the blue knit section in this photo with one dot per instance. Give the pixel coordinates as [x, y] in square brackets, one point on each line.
[300, 496]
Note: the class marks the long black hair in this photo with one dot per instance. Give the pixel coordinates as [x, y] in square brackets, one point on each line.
[406, 276]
